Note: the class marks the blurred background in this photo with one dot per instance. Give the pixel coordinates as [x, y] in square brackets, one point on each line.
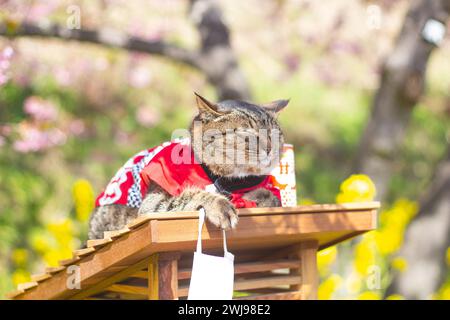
[86, 84]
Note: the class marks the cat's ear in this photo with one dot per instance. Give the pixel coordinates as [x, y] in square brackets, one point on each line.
[275, 106]
[204, 106]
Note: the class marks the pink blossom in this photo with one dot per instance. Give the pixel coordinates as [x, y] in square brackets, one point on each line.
[33, 139]
[292, 62]
[5, 57]
[139, 77]
[40, 109]
[346, 47]
[326, 74]
[8, 52]
[147, 116]
[41, 11]
[77, 127]
[62, 76]
[122, 137]
[6, 130]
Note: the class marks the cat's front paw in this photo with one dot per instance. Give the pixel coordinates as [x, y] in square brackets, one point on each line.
[263, 198]
[221, 213]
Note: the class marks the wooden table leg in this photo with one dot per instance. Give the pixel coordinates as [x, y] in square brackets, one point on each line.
[307, 253]
[309, 272]
[163, 276]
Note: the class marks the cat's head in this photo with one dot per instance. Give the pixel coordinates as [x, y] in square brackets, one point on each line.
[237, 139]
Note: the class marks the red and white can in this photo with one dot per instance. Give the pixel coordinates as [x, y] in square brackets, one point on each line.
[284, 177]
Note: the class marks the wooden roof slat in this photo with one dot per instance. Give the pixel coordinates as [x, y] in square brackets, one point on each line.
[291, 295]
[27, 285]
[112, 295]
[120, 275]
[68, 262]
[53, 270]
[40, 277]
[122, 288]
[245, 284]
[84, 252]
[139, 221]
[15, 293]
[115, 234]
[245, 267]
[98, 243]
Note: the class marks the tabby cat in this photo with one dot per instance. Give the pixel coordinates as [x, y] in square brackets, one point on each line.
[224, 165]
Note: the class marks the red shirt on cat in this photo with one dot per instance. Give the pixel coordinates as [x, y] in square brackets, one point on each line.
[173, 167]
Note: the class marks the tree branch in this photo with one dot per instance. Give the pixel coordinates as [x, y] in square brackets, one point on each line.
[215, 58]
[107, 38]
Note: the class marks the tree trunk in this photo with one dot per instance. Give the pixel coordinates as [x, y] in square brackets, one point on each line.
[401, 86]
[426, 241]
[216, 55]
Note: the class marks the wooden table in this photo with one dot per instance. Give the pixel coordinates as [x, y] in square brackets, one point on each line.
[275, 251]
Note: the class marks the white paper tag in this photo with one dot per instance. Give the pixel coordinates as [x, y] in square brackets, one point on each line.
[212, 276]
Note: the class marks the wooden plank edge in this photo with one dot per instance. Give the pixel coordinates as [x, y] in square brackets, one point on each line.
[40, 277]
[84, 252]
[97, 243]
[110, 280]
[257, 283]
[250, 267]
[68, 262]
[290, 295]
[14, 294]
[122, 288]
[26, 285]
[139, 221]
[315, 208]
[116, 233]
[53, 270]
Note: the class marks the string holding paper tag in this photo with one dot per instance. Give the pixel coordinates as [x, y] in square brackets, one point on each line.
[201, 222]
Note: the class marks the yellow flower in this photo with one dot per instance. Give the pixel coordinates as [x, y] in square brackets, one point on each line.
[395, 297]
[369, 295]
[443, 293]
[62, 231]
[83, 198]
[40, 242]
[400, 214]
[400, 264]
[328, 286]
[19, 256]
[326, 257]
[365, 254]
[52, 257]
[388, 240]
[356, 188]
[389, 237]
[20, 276]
